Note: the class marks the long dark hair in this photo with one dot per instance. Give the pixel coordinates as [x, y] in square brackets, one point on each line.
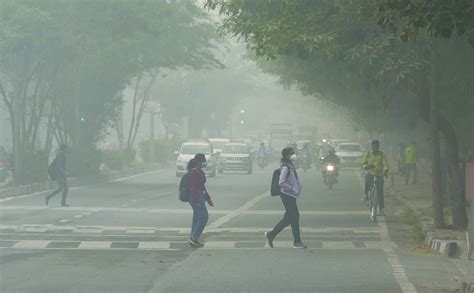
[191, 164]
[286, 153]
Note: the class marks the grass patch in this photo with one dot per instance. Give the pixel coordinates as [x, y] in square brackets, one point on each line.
[416, 229]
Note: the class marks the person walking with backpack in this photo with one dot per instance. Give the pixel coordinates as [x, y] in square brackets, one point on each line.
[58, 168]
[198, 196]
[290, 189]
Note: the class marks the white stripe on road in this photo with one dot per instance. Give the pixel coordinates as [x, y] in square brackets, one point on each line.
[397, 268]
[33, 244]
[221, 221]
[154, 245]
[244, 210]
[166, 245]
[147, 229]
[95, 244]
[84, 186]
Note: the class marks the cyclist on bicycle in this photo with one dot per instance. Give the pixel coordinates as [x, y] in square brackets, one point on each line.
[376, 164]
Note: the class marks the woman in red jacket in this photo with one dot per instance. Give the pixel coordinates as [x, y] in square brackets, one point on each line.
[197, 198]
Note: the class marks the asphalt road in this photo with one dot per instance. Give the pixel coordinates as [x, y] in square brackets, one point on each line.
[130, 236]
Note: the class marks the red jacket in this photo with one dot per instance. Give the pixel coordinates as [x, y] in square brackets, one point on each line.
[197, 181]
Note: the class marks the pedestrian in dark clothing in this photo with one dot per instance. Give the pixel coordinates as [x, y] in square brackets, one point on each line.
[197, 198]
[290, 192]
[60, 176]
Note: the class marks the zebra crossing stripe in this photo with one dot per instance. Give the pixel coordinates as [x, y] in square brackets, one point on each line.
[95, 244]
[171, 245]
[32, 244]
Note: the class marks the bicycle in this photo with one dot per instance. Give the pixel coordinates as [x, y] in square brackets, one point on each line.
[373, 200]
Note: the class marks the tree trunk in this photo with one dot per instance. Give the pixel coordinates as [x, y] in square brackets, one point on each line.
[458, 205]
[436, 157]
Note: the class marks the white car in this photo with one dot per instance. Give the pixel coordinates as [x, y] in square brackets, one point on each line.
[350, 154]
[188, 150]
[236, 156]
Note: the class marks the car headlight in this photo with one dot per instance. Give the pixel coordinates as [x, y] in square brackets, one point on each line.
[330, 168]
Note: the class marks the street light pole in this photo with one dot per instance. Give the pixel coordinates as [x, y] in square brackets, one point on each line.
[152, 136]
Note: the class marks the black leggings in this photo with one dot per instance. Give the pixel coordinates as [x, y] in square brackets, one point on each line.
[62, 186]
[292, 217]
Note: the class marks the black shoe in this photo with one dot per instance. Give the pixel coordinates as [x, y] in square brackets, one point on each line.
[46, 201]
[194, 243]
[64, 205]
[269, 239]
[299, 245]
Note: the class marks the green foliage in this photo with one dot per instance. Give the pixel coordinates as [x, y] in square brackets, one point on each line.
[83, 161]
[439, 18]
[164, 150]
[416, 229]
[71, 60]
[118, 159]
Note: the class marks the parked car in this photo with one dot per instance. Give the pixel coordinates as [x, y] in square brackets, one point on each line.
[350, 154]
[236, 156]
[189, 149]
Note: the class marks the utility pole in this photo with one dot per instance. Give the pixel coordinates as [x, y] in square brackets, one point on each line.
[152, 136]
[18, 174]
[435, 147]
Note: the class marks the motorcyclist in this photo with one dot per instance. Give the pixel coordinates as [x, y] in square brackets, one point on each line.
[332, 159]
[375, 163]
[262, 152]
[306, 154]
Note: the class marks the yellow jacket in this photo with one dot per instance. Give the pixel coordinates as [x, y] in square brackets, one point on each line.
[379, 160]
[410, 155]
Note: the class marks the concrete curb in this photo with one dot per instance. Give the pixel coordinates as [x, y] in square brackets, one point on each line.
[73, 182]
[446, 247]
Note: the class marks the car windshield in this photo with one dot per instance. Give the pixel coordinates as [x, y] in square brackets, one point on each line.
[235, 149]
[349, 148]
[192, 149]
[218, 144]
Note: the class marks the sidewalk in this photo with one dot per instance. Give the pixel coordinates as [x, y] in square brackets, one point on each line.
[418, 197]
[453, 244]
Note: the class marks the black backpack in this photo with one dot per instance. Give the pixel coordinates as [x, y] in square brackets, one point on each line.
[184, 188]
[53, 170]
[275, 189]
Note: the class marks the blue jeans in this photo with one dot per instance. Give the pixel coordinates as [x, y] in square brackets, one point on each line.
[200, 217]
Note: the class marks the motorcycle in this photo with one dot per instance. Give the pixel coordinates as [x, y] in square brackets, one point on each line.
[329, 174]
[305, 162]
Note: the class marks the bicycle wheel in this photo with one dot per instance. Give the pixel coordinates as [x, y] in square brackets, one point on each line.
[374, 206]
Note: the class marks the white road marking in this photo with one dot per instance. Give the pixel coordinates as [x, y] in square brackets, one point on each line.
[397, 268]
[31, 244]
[154, 245]
[81, 187]
[221, 221]
[95, 244]
[95, 229]
[166, 245]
